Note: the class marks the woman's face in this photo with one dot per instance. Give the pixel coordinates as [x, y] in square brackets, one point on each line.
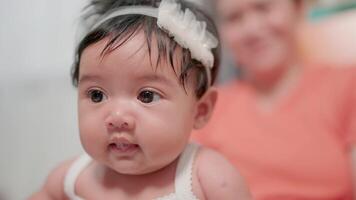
[260, 33]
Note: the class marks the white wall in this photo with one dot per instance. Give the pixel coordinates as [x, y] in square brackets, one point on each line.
[38, 125]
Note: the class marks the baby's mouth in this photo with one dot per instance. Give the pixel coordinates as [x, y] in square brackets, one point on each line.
[122, 145]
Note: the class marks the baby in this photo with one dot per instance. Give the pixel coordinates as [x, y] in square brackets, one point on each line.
[144, 72]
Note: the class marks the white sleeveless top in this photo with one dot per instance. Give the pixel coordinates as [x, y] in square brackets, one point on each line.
[182, 182]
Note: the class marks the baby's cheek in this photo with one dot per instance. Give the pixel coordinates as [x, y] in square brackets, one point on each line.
[90, 129]
[159, 135]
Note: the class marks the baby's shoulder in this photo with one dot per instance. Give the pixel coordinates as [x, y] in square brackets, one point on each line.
[208, 160]
[54, 185]
[217, 177]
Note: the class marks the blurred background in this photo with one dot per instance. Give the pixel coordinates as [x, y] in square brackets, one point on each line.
[38, 123]
[37, 101]
[328, 35]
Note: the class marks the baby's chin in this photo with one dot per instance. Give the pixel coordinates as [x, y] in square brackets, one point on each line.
[135, 172]
[141, 169]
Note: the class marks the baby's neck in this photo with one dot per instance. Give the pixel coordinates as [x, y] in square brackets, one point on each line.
[137, 183]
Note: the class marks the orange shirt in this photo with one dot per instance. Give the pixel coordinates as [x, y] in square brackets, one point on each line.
[299, 151]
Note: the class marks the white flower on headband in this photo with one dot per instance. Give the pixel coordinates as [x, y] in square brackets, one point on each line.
[187, 31]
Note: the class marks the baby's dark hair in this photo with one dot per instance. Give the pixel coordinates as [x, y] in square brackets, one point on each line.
[121, 28]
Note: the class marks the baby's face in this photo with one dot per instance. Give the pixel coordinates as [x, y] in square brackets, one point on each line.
[133, 117]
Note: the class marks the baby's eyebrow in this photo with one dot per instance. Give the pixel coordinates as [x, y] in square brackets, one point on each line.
[84, 78]
[156, 78]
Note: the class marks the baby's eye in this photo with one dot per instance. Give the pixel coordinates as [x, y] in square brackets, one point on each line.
[96, 96]
[148, 96]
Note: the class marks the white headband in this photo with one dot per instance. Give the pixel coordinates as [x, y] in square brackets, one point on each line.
[186, 30]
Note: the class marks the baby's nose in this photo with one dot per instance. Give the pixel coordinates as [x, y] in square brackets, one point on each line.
[118, 121]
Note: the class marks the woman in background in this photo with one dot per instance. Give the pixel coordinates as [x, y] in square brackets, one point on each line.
[289, 128]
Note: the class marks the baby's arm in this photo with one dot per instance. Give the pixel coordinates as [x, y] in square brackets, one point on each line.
[53, 188]
[218, 178]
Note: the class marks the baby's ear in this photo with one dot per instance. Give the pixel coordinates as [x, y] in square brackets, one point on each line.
[205, 107]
